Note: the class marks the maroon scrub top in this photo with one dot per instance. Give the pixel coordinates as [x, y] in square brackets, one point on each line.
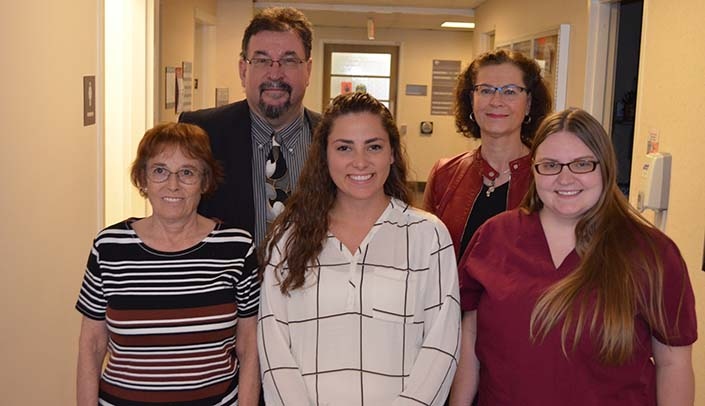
[505, 269]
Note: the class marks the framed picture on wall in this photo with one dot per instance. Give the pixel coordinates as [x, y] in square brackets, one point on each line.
[550, 50]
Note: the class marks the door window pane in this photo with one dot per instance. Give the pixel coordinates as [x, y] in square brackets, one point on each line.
[360, 68]
[377, 87]
[349, 63]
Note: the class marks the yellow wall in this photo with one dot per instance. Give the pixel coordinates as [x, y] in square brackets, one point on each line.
[233, 18]
[514, 19]
[670, 99]
[49, 194]
[177, 31]
[418, 49]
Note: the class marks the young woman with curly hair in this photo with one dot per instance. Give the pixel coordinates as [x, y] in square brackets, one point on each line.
[359, 296]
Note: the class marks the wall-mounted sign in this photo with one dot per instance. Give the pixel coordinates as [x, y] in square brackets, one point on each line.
[169, 87]
[445, 77]
[88, 100]
[416, 90]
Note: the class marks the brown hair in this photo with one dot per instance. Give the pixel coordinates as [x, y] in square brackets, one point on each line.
[623, 281]
[305, 218]
[280, 19]
[191, 140]
[537, 89]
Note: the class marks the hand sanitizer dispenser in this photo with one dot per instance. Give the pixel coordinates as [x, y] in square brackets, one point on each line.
[655, 182]
[655, 185]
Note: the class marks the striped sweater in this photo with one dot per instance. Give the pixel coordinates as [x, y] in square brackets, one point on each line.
[171, 316]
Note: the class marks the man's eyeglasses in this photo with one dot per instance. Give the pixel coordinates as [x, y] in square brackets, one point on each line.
[286, 63]
[507, 92]
[552, 168]
[160, 174]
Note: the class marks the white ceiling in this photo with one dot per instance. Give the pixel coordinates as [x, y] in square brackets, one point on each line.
[409, 14]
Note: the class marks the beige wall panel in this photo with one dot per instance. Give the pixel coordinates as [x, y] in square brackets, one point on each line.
[177, 30]
[49, 205]
[177, 41]
[233, 18]
[670, 100]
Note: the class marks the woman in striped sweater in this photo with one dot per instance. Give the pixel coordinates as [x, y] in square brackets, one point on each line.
[170, 298]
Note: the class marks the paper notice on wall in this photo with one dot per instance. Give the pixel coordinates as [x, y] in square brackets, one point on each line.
[179, 76]
[186, 100]
[169, 87]
[221, 96]
[652, 144]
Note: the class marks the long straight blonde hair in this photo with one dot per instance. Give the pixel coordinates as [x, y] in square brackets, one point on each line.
[623, 278]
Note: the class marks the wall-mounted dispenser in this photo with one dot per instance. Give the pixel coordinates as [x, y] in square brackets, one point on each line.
[655, 185]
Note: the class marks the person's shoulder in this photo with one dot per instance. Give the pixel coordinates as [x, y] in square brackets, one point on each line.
[452, 164]
[661, 242]
[417, 216]
[117, 231]
[214, 113]
[121, 225]
[313, 117]
[224, 232]
[312, 114]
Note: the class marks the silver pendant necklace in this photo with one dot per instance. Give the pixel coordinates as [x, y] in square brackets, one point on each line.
[492, 187]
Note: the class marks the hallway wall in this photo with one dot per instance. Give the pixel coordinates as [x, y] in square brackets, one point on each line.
[49, 209]
[176, 43]
[670, 100]
[177, 37]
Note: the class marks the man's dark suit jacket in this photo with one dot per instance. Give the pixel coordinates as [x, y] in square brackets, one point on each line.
[229, 129]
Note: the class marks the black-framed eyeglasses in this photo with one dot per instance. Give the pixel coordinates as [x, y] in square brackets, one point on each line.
[552, 168]
[160, 174]
[288, 62]
[508, 92]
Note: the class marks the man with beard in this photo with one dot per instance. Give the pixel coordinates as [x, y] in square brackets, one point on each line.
[262, 141]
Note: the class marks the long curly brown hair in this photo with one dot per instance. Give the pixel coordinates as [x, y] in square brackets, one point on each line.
[538, 91]
[304, 221]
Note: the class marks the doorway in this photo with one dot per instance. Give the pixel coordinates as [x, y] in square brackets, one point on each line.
[204, 64]
[625, 85]
[127, 100]
[366, 68]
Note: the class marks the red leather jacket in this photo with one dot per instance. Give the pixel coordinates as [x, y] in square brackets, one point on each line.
[454, 184]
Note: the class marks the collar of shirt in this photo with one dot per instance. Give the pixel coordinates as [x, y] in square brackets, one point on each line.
[288, 136]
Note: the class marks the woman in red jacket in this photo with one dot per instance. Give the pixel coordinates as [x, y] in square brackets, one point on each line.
[500, 100]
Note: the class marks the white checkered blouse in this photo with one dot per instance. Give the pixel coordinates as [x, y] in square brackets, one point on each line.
[377, 327]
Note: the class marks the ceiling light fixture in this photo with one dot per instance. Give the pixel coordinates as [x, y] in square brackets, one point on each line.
[456, 24]
[370, 29]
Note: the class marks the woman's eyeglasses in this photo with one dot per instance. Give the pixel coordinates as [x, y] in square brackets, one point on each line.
[160, 174]
[507, 92]
[579, 166]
